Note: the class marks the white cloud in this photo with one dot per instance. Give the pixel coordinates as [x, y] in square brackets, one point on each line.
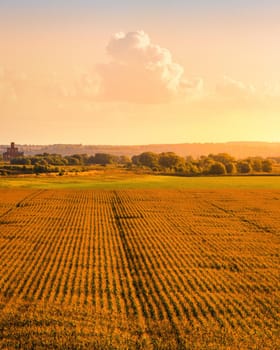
[236, 94]
[81, 85]
[234, 89]
[272, 89]
[141, 71]
[10, 86]
[88, 85]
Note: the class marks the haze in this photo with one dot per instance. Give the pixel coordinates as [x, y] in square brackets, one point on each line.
[119, 72]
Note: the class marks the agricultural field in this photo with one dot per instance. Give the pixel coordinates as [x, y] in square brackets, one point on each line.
[139, 268]
[115, 179]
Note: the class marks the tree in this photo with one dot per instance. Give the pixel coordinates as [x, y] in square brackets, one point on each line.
[217, 168]
[256, 163]
[267, 166]
[231, 168]
[82, 158]
[90, 160]
[224, 158]
[243, 167]
[170, 160]
[192, 169]
[135, 160]
[148, 159]
[103, 159]
[21, 161]
[72, 160]
[189, 159]
[125, 160]
[40, 168]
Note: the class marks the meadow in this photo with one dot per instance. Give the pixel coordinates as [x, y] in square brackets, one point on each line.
[122, 267]
[110, 179]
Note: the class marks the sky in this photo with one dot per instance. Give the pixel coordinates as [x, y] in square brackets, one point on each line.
[141, 72]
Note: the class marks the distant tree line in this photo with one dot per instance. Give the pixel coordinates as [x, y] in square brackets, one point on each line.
[213, 164]
[165, 162]
[75, 159]
[44, 163]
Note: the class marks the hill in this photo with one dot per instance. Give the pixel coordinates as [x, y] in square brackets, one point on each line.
[236, 149]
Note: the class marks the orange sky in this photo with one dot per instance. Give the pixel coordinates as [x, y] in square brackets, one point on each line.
[99, 77]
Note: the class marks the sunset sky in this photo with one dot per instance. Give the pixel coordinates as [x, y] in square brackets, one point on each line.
[139, 72]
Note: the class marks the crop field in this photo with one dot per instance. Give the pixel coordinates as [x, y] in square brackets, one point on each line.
[111, 179]
[139, 269]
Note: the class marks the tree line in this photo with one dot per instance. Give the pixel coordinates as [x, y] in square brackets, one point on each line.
[52, 163]
[165, 162]
[213, 164]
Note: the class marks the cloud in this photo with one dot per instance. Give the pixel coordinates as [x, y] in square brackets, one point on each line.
[138, 71]
[10, 86]
[141, 71]
[233, 93]
[88, 85]
[272, 89]
[234, 89]
[79, 85]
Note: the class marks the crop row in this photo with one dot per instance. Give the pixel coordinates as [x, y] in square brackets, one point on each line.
[188, 258]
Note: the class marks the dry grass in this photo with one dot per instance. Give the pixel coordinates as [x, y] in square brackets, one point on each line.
[147, 269]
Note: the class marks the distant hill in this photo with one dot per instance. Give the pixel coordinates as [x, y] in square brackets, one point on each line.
[236, 149]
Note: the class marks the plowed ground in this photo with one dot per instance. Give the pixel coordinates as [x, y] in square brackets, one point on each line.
[146, 269]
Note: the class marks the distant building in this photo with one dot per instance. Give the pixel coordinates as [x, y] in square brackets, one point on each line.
[12, 152]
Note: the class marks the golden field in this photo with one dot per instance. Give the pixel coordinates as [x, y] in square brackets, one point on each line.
[144, 269]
